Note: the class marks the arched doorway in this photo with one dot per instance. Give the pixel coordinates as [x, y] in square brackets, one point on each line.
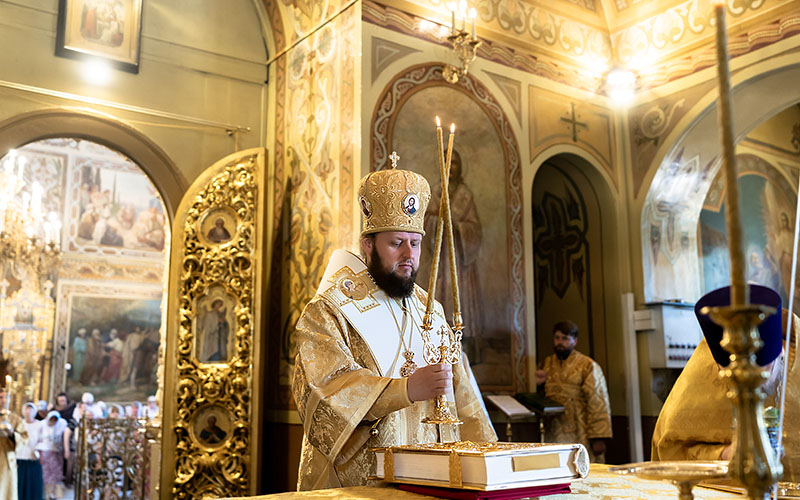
[97, 221]
[568, 254]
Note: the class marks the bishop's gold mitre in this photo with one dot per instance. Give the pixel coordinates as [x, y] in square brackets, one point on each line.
[393, 200]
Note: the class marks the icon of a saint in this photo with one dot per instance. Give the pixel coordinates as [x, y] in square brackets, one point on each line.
[219, 233]
[212, 433]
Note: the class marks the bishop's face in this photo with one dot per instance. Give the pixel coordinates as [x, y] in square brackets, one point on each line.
[393, 260]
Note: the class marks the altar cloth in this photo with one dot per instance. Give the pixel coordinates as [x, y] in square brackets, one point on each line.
[600, 484]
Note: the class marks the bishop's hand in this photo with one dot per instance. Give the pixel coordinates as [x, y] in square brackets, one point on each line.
[429, 382]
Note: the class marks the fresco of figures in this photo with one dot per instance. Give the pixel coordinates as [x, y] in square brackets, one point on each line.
[116, 207]
[768, 206]
[113, 347]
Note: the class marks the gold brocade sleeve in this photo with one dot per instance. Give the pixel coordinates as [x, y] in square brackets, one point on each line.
[477, 426]
[598, 414]
[332, 389]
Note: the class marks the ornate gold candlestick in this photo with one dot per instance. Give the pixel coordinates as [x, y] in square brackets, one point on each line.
[753, 463]
[449, 351]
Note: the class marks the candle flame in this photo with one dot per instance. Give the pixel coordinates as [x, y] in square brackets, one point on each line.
[473, 13]
[438, 122]
[452, 128]
[8, 380]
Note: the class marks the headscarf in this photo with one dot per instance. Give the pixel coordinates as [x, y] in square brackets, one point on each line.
[120, 410]
[33, 415]
[101, 405]
[138, 407]
[58, 429]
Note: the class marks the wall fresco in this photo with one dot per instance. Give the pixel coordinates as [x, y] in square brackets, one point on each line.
[486, 143]
[315, 158]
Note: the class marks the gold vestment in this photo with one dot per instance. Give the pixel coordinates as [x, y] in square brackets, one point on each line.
[339, 395]
[696, 422]
[8, 462]
[577, 383]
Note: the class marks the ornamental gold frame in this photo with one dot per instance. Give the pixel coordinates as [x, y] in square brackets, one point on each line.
[190, 468]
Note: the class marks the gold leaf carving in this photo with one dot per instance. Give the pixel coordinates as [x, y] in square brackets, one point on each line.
[213, 459]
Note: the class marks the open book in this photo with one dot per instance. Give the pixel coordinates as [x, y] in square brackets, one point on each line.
[482, 466]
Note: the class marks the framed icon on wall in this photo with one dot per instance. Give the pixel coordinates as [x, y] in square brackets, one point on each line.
[106, 29]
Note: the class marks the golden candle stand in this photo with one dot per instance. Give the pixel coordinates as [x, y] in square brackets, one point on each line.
[449, 351]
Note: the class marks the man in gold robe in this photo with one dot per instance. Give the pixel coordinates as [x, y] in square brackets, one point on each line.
[696, 422]
[360, 377]
[577, 382]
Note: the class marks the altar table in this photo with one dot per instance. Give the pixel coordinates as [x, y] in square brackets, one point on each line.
[599, 485]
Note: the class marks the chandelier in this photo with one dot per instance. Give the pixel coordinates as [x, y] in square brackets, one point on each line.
[465, 44]
[27, 236]
[29, 255]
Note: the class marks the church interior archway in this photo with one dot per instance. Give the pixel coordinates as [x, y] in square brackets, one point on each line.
[672, 254]
[568, 253]
[97, 233]
[85, 240]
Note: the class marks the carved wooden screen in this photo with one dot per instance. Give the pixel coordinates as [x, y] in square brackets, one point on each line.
[113, 460]
[211, 419]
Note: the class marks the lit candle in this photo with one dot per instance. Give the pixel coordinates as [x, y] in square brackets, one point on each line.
[47, 232]
[739, 290]
[452, 21]
[462, 7]
[457, 320]
[472, 15]
[437, 245]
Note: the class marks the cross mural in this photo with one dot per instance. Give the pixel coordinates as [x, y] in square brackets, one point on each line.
[559, 243]
[575, 124]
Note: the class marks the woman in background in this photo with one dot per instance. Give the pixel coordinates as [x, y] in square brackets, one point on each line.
[29, 471]
[52, 449]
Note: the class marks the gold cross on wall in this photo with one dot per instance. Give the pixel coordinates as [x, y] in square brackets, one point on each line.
[574, 123]
[395, 158]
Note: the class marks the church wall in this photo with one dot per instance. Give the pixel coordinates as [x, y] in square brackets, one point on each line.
[395, 40]
[195, 62]
[313, 146]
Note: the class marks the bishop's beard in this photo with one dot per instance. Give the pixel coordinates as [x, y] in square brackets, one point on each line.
[395, 286]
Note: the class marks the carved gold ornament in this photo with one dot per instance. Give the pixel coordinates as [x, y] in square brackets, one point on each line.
[210, 387]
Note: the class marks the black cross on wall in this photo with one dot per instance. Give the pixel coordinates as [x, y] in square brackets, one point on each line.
[575, 123]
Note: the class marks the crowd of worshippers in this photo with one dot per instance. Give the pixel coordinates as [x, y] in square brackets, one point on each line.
[46, 454]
